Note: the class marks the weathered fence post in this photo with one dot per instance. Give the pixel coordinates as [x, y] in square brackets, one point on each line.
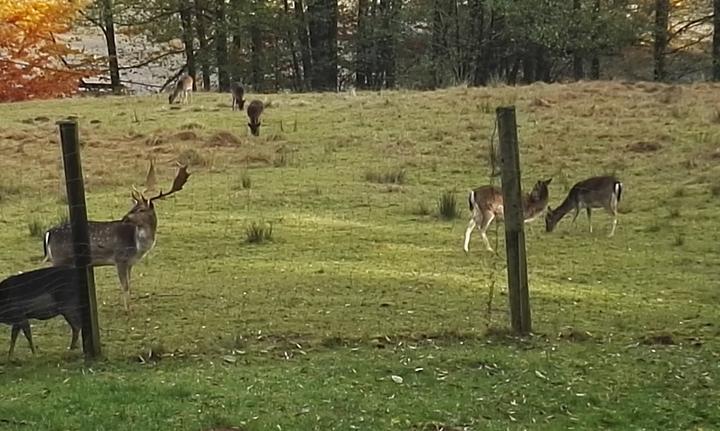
[514, 221]
[70, 141]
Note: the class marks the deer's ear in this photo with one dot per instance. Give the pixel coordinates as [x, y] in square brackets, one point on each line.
[548, 181]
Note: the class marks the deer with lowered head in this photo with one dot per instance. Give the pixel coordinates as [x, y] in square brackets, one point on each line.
[121, 243]
[486, 204]
[183, 88]
[254, 109]
[238, 92]
[595, 192]
[40, 294]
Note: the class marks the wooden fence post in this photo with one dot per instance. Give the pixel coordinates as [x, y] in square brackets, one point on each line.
[514, 221]
[70, 141]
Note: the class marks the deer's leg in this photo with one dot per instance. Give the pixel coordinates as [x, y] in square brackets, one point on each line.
[471, 225]
[124, 275]
[613, 211]
[25, 326]
[13, 339]
[577, 212]
[589, 219]
[488, 217]
[75, 326]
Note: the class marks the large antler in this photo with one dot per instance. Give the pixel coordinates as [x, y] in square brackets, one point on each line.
[150, 178]
[178, 183]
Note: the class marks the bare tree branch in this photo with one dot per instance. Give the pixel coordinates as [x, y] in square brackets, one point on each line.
[690, 24]
[152, 59]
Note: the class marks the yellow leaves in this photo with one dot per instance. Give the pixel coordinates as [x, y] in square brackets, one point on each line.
[30, 57]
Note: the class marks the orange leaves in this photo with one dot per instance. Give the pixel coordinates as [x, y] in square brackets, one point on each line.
[31, 59]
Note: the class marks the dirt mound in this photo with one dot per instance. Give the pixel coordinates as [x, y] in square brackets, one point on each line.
[644, 147]
[186, 135]
[223, 139]
[256, 160]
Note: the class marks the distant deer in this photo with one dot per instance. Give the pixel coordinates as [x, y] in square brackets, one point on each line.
[40, 294]
[595, 192]
[238, 92]
[122, 243]
[183, 88]
[486, 204]
[254, 109]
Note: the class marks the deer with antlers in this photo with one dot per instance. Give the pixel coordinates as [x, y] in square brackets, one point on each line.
[121, 243]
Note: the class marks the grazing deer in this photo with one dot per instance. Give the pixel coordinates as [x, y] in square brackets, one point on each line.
[238, 92]
[183, 88]
[596, 192]
[122, 243]
[486, 204]
[40, 294]
[254, 109]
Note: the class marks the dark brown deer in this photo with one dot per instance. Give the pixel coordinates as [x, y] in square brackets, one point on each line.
[254, 109]
[121, 243]
[486, 204]
[40, 294]
[595, 192]
[238, 92]
[183, 88]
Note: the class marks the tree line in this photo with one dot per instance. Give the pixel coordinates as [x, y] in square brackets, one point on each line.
[325, 45]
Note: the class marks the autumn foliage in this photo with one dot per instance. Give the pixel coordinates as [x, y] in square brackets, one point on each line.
[31, 56]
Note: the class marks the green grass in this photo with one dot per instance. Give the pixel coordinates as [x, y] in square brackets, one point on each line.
[307, 330]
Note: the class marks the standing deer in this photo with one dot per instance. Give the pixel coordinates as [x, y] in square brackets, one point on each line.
[122, 243]
[486, 204]
[40, 294]
[183, 88]
[595, 192]
[254, 109]
[238, 92]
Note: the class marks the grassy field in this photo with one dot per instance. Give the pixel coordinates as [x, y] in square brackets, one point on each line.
[362, 311]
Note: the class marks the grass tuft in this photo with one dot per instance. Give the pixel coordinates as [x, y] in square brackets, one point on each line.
[37, 227]
[258, 232]
[447, 205]
[389, 176]
[245, 180]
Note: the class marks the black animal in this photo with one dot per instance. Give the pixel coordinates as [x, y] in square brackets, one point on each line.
[40, 294]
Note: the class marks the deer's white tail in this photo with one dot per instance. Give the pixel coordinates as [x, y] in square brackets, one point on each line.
[618, 188]
[471, 200]
[46, 248]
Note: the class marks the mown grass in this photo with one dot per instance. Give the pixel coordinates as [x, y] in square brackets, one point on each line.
[307, 330]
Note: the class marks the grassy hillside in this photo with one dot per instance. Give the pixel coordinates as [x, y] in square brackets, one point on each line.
[362, 280]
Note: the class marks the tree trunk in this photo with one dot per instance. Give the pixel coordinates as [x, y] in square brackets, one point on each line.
[577, 59]
[256, 72]
[297, 77]
[479, 52]
[595, 61]
[716, 40]
[187, 36]
[322, 20]
[362, 44]
[304, 39]
[662, 12]
[108, 20]
[203, 58]
[221, 51]
[392, 22]
[439, 42]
